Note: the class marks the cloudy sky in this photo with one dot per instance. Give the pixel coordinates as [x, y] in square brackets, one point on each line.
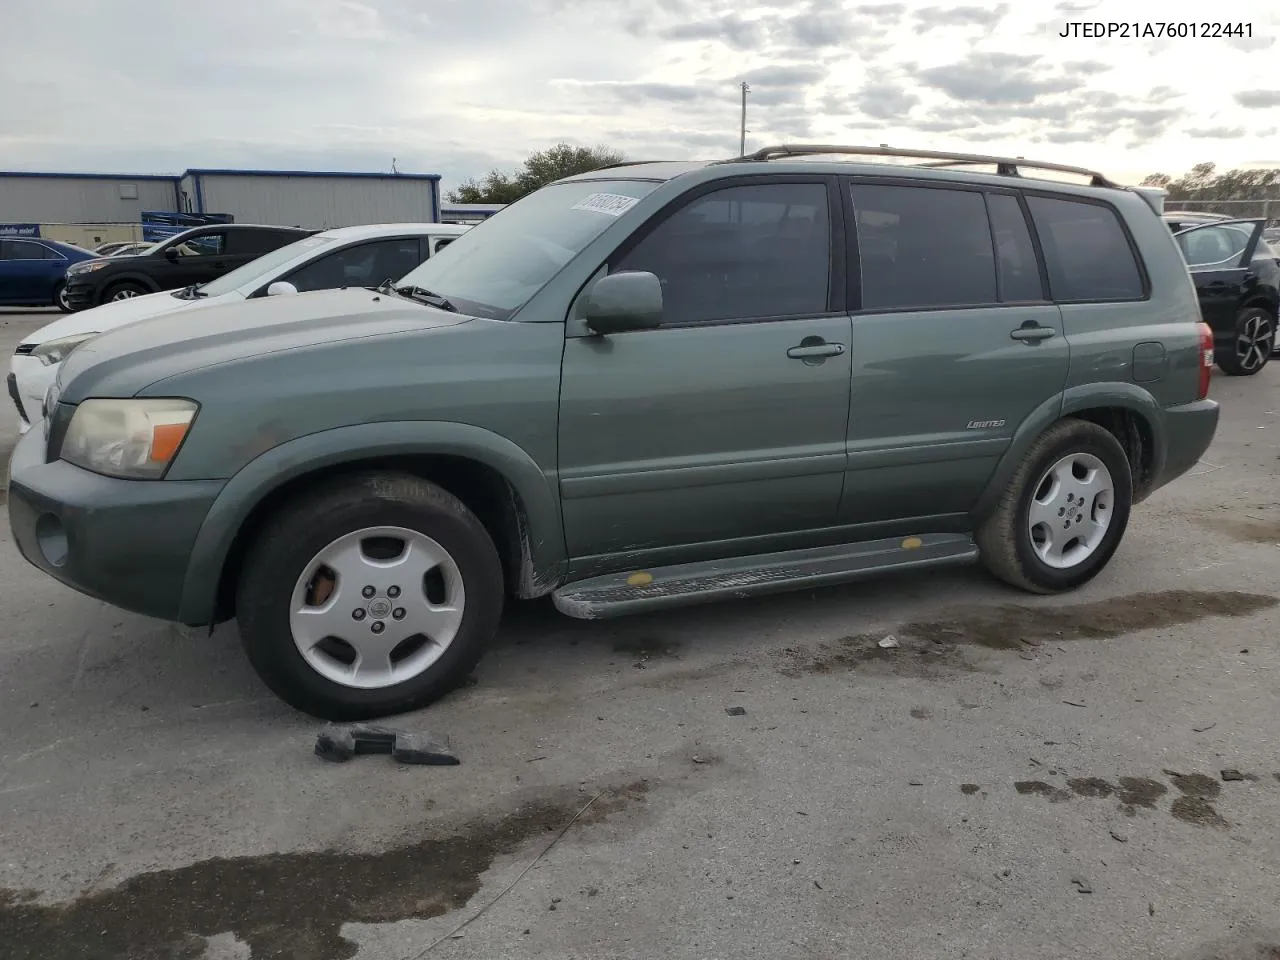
[458, 86]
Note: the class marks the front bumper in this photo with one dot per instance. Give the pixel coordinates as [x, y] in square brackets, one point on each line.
[123, 541]
[81, 292]
[1188, 430]
[29, 381]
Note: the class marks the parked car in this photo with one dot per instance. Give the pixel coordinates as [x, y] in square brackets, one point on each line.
[1237, 278]
[33, 271]
[1184, 219]
[106, 249]
[194, 256]
[361, 256]
[640, 387]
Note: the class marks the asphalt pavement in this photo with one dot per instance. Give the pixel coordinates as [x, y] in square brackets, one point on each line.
[1009, 777]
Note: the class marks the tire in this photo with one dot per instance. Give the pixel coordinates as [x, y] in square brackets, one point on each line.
[60, 297]
[1252, 345]
[326, 678]
[1007, 541]
[123, 291]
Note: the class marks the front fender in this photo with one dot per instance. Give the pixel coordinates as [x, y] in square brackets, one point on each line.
[542, 533]
[1091, 396]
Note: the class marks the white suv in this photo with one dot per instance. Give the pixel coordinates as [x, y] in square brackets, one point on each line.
[344, 257]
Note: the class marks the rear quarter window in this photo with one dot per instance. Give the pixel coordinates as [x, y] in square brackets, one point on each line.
[1087, 253]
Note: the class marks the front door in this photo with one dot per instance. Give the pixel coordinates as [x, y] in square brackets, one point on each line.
[723, 429]
[1218, 256]
[201, 258]
[955, 343]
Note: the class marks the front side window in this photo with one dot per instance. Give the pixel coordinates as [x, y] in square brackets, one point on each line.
[744, 252]
[360, 265]
[495, 267]
[923, 247]
[1215, 246]
[1086, 252]
[264, 266]
[205, 245]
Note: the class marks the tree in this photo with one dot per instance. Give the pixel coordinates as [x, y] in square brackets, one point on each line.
[542, 167]
[1206, 189]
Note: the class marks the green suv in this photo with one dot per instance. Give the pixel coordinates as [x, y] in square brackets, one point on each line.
[649, 385]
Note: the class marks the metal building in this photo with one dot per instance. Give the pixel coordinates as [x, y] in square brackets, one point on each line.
[83, 197]
[307, 198]
[285, 197]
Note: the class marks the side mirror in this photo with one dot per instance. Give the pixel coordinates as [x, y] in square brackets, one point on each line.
[281, 288]
[171, 253]
[622, 302]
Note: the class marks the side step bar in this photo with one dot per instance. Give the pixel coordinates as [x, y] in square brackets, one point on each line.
[618, 594]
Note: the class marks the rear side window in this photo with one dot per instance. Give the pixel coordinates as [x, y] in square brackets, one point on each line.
[923, 247]
[1086, 252]
[1015, 253]
[741, 253]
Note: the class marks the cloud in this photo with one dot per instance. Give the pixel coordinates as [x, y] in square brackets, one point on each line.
[885, 101]
[995, 78]
[1258, 99]
[1217, 133]
[733, 30]
[932, 18]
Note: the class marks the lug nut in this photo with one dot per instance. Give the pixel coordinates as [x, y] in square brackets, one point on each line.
[377, 626]
[398, 613]
[393, 592]
[1062, 511]
[368, 591]
[357, 614]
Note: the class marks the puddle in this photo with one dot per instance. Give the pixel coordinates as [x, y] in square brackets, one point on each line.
[1195, 784]
[1006, 627]
[1041, 789]
[1138, 792]
[969, 789]
[1246, 529]
[1197, 812]
[1134, 793]
[1091, 787]
[863, 650]
[287, 905]
[649, 648]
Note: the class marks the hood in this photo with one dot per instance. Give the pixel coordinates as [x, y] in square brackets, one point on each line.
[122, 362]
[111, 315]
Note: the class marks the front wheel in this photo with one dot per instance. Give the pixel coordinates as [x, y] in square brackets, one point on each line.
[123, 291]
[1252, 345]
[1063, 514]
[374, 595]
[60, 298]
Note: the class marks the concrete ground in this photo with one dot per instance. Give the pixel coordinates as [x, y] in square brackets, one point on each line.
[1018, 778]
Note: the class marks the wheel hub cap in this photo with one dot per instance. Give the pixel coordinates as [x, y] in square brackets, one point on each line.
[1254, 342]
[1070, 512]
[377, 607]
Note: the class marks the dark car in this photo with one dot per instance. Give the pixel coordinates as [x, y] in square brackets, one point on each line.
[1237, 278]
[193, 257]
[33, 271]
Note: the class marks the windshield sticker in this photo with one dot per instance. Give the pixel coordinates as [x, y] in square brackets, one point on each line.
[610, 204]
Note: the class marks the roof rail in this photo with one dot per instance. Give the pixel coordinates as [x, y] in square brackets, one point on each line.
[1005, 166]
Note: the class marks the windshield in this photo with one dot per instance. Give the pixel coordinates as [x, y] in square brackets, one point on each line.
[495, 267]
[263, 265]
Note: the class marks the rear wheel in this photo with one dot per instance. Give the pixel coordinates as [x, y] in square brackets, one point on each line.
[60, 297]
[123, 291]
[1254, 341]
[1064, 512]
[374, 595]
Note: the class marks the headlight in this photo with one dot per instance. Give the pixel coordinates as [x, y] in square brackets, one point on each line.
[86, 266]
[55, 351]
[134, 439]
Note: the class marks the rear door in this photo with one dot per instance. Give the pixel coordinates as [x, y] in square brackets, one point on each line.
[1218, 256]
[723, 429]
[955, 343]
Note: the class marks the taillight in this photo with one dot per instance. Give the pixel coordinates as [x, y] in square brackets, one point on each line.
[1206, 359]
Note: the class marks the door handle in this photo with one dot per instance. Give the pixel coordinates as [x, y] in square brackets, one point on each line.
[1032, 332]
[814, 351]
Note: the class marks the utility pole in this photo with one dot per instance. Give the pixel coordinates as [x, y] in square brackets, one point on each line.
[742, 142]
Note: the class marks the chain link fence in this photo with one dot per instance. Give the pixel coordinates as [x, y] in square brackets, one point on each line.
[1268, 207]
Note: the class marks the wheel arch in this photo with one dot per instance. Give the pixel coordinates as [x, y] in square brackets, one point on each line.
[1125, 410]
[496, 479]
[141, 279]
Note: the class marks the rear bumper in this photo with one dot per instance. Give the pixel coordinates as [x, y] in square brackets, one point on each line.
[127, 542]
[1189, 430]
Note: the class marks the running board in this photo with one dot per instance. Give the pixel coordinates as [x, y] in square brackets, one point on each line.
[633, 591]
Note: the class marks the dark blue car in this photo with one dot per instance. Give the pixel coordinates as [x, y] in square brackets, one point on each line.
[32, 271]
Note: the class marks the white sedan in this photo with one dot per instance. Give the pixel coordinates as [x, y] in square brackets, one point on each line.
[364, 256]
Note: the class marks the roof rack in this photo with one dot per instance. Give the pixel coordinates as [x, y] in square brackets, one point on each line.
[1005, 166]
